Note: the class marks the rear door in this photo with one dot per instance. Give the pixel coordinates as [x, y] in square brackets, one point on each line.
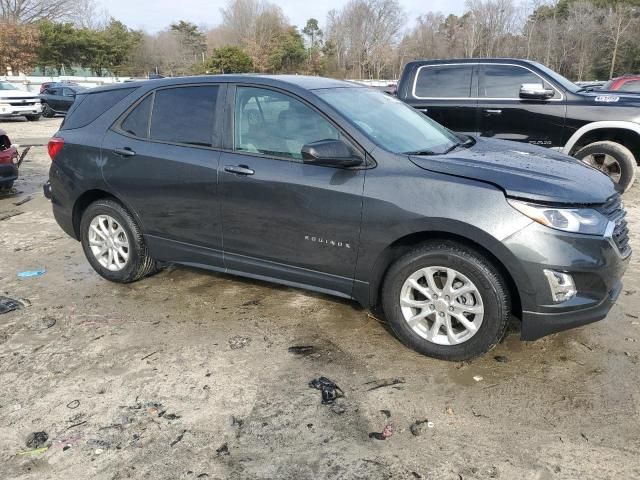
[283, 218]
[161, 158]
[503, 114]
[68, 97]
[54, 98]
[446, 93]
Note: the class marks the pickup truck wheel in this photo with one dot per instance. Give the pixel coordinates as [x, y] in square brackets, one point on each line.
[33, 118]
[446, 301]
[113, 243]
[47, 112]
[612, 159]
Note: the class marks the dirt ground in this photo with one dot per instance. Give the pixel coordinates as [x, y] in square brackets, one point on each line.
[187, 375]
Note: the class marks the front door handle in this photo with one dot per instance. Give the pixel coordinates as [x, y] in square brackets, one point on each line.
[492, 111]
[239, 169]
[124, 152]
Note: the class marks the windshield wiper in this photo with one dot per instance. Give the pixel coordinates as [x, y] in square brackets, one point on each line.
[422, 152]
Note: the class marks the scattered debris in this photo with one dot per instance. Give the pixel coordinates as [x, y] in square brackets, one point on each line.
[449, 411]
[31, 273]
[476, 414]
[168, 416]
[37, 439]
[478, 378]
[98, 451]
[23, 201]
[238, 342]
[631, 315]
[416, 475]
[252, 303]
[34, 451]
[417, 428]
[338, 408]
[9, 304]
[330, 391]
[5, 216]
[302, 350]
[73, 404]
[501, 359]
[223, 450]
[179, 439]
[386, 413]
[49, 322]
[629, 292]
[235, 422]
[584, 436]
[76, 425]
[147, 356]
[386, 433]
[385, 382]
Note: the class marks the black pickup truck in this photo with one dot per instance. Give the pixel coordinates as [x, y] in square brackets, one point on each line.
[525, 101]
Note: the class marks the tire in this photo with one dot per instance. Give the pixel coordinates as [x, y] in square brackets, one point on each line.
[33, 118]
[138, 264]
[471, 269]
[6, 187]
[625, 172]
[47, 112]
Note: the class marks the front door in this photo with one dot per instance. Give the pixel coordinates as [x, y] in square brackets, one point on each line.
[504, 115]
[160, 160]
[284, 218]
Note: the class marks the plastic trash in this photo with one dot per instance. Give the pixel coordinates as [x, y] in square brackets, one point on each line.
[330, 391]
[9, 304]
[31, 273]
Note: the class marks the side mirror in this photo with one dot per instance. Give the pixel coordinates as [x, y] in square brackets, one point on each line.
[536, 91]
[330, 153]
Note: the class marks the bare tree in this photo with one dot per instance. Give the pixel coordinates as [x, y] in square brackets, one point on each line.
[30, 11]
[618, 24]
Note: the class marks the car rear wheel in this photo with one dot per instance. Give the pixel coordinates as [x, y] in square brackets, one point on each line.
[113, 243]
[47, 112]
[612, 159]
[33, 118]
[446, 301]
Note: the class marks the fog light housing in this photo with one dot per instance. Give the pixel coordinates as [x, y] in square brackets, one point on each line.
[561, 284]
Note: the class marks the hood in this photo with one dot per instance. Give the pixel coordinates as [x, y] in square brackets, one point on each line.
[524, 171]
[612, 97]
[17, 94]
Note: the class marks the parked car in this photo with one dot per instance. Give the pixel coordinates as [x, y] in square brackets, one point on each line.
[308, 186]
[8, 162]
[527, 102]
[46, 85]
[626, 83]
[18, 103]
[57, 99]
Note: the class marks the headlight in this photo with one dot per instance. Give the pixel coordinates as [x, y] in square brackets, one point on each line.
[578, 220]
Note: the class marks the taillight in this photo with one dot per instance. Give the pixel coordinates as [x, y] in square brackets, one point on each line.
[54, 147]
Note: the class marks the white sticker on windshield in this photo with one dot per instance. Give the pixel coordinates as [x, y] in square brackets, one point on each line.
[607, 98]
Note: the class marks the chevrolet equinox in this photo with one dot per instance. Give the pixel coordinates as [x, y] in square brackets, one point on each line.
[341, 189]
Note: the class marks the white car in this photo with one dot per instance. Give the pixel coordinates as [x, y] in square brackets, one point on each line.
[16, 103]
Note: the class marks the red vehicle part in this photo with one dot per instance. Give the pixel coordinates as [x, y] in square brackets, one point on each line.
[9, 161]
[626, 83]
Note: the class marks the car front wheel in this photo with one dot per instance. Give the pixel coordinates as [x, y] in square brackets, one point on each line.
[113, 243]
[33, 118]
[47, 112]
[446, 301]
[612, 159]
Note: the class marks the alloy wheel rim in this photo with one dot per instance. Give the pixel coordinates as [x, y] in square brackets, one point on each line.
[441, 305]
[605, 163]
[109, 243]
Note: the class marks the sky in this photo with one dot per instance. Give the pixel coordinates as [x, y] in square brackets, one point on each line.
[155, 15]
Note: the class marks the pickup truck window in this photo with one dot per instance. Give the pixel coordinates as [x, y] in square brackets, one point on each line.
[443, 81]
[388, 122]
[504, 81]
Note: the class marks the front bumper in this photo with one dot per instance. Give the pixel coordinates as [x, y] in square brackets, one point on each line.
[8, 173]
[19, 110]
[595, 264]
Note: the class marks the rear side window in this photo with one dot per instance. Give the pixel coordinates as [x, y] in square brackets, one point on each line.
[90, 106]
[137, 122]
[443, 81]
[184, 115]
[504, 81]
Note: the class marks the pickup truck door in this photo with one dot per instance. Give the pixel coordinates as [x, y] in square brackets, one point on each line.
[446, 93]
[504, 115]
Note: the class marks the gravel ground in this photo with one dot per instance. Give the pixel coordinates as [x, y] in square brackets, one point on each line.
[187, 375]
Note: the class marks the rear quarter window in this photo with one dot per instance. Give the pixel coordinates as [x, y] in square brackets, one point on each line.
[88, 107]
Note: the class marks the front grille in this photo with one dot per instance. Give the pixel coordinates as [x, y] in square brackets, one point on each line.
[615, 212]
[22, 102]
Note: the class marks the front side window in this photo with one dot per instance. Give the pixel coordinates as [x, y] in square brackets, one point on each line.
[504, 81]
[444, 81]
[388, 122]
[184, 115]
[275, 124]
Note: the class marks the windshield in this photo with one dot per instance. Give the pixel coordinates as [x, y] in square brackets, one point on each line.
[388, 122]
[8, 86]
[564, 82]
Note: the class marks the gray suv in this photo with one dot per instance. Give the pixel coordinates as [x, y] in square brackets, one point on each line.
[326, 185]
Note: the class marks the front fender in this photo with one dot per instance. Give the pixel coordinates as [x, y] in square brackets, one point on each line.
[590, 127]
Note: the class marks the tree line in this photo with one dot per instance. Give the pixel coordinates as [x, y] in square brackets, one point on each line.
[582, 39]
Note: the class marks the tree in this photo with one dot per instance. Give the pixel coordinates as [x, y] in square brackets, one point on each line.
[313, 32]
[618, 24]
[286, 51]
[193, 41]
[227, 59]
[30, 11]
[18, 45]
[61, 46]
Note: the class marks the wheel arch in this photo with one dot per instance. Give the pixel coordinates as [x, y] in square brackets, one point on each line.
[90, 196]
[624, 133]
[496, 254]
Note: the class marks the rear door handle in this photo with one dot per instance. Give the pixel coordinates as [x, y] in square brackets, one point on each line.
[124, 152]
[492, 111]
[239, 169]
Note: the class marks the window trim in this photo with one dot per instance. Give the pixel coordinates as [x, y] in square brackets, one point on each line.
[231, 119]
[481, 64]
[415, 81]
[216, 133]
